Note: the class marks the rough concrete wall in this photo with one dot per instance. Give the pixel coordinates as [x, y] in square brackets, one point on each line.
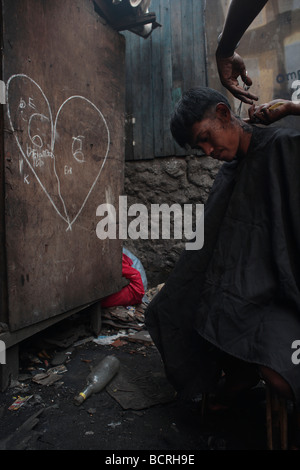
[166, 181]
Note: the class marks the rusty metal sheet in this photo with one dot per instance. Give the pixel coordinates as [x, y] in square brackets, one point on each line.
[63, 153]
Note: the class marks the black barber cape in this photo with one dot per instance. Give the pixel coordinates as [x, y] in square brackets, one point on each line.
[240, 292]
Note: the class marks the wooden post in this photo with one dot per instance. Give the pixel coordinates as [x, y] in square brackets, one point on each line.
[269, 419]
[276, 421]
[10, 370]
[96, 320]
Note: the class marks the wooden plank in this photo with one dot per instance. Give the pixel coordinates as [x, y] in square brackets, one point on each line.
[269, 422]
[177, 50]
[199, 44]
[10, 338]
[283, 423]
[138, 100]
[63, 155]
[187, 43]
[157, 80]
[175, 55]
[146, 115]
[168, 142]
[129, 96]
[178, 71]
[133, 100]
[3, 279]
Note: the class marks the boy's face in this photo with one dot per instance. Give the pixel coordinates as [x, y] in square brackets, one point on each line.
[216, 136]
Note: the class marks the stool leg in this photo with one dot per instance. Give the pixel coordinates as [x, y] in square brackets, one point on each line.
[283, 424]
[276, 421]
[269, 419]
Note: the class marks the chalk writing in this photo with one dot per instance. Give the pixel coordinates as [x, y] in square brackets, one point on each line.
[40, 137]
[38, 157]
[77, 148]
[22, 104]
[68, 170]
[31, 103]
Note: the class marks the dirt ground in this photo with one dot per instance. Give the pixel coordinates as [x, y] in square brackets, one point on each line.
[138, 410]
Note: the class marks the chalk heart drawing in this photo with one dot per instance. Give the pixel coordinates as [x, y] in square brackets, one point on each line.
[66, 154]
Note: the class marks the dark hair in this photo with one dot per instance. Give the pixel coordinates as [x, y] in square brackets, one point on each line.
[191, 108]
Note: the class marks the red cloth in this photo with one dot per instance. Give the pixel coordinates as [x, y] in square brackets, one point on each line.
[128, 295]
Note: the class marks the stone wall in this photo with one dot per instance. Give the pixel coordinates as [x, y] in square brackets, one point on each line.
[168, 180]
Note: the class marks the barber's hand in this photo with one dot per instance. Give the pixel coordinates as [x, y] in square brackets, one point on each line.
[230, 68]
[268, 113]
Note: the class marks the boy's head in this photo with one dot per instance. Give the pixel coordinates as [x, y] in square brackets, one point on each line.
[195, 104]
[202, 119]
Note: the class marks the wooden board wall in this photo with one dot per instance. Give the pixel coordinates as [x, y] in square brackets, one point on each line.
[64, 71]
[158, 70]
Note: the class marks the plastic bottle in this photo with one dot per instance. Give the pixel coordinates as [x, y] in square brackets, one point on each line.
[99, 377]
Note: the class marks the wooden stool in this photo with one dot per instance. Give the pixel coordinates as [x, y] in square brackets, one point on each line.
[276, 421]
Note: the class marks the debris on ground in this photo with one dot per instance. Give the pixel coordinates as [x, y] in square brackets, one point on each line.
[131, 317]
[142, 337]
[24, 436]
[46, 362]
[108, 339]
[138, 400]
[151, 293]
[139, 391]
[121, 317]
[128, 321]
[19, 402]
[50, 376]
